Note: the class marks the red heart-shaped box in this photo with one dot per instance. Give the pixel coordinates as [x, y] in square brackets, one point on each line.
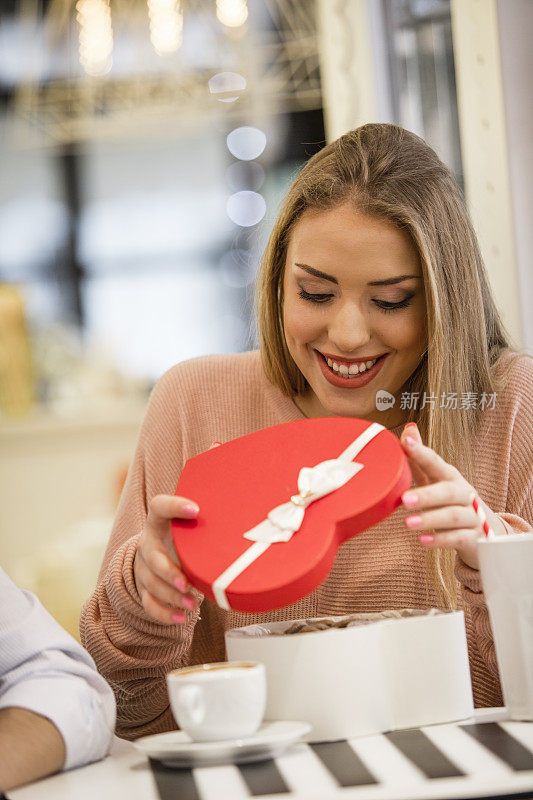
[238, 483]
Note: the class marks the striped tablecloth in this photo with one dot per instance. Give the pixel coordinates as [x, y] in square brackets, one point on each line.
[444, 761]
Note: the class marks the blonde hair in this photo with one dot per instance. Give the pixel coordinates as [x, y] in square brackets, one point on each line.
[390, 173]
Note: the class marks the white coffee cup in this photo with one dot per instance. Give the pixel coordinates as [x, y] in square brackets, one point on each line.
[225, 700]
[506, 564]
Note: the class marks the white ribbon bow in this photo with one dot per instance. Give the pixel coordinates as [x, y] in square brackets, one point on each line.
[284, 520]
[313, 483]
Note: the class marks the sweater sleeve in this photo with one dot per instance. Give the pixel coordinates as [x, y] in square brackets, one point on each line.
[517, 517]
[131, 650]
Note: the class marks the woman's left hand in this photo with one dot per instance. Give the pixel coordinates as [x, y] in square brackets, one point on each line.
[447, 495]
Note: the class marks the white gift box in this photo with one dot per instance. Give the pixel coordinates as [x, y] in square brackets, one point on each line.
[399, 669]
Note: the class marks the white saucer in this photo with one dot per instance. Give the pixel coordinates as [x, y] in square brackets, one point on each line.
[176, 749]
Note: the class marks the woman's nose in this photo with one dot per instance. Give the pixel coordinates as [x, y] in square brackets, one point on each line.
[348, 330]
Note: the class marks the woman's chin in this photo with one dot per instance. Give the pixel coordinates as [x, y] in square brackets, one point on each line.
[333, 407]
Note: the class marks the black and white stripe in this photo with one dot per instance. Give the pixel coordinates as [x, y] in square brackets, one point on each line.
[442, 761]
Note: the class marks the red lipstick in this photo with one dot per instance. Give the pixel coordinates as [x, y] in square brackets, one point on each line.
[354, 381]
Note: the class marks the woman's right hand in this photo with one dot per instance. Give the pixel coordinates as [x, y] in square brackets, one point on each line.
[162, 587]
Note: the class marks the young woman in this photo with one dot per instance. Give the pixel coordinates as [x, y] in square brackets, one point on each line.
[372, 281]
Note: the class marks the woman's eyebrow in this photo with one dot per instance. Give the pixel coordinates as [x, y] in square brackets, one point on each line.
[393, 280]
[318, 274]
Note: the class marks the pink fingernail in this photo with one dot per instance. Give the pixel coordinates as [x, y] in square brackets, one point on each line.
[410, 500]
[409, 441]
[188, 602]
[180, 584]
[413, 521]
[426, 538]
[190, 510]
[179, 617]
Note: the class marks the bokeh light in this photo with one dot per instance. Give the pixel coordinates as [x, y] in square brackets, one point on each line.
[229, 84]
[237, 268]
[95, 36]
[232, 13]
[166, 25]
[246, 208]
[245, 175]
[246, 143]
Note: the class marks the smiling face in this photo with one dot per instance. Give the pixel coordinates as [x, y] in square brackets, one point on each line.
[345, 305]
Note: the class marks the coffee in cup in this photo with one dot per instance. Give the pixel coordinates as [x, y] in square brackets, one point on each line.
[224, 700]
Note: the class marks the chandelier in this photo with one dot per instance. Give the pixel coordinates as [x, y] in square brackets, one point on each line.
[112, 69]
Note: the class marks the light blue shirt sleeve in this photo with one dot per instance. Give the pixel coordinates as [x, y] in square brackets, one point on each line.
[43, 669]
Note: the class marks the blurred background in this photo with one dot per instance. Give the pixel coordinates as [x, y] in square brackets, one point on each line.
[145, 148]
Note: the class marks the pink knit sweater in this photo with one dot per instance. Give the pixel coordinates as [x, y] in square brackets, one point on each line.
[218, 398]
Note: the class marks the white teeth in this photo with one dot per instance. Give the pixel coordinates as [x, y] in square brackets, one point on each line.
[353, 369]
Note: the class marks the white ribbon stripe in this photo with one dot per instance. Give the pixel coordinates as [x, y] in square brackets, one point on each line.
[284, 520]
[235, 569]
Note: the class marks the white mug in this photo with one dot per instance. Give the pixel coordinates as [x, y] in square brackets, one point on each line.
[225, 700]
[506, 564]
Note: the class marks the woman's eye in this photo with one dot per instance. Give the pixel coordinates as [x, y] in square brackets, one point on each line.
[386, 306]
[314, 298]
[383, 305]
